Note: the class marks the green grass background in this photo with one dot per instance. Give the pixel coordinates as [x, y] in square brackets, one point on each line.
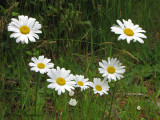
[76, 35]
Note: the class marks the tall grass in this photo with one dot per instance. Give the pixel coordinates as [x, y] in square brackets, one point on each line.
[76, 35]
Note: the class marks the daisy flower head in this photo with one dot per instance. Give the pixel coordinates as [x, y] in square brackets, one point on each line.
[81, 82]
[61, 80]
[71, 93]
[111, 70]
[128, 31]
[41, 64]
[99, 86]
[72, 102]
[24, 29]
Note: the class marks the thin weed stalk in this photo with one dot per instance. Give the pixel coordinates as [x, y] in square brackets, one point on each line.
[114, 90]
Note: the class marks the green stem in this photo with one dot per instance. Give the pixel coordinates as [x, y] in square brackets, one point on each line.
[89, 106]
[114, 90]
[92, 45]
[36, 90]
[65, 111]
[20, 80]
[45, 83]
[104, 108]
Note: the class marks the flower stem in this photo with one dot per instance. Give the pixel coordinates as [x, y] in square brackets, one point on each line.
[36, 90]
[104, 108]
[89, 106]
[114, 90]
[20, 79]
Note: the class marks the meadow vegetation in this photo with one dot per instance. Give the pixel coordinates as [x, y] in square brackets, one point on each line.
[76, 35]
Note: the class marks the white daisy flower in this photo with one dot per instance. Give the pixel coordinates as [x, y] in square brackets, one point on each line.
[139, 108]
[128, 31]
[99, 86]
[81, 82]
[111, 69]
[24, 28]
[72, 102]
[61, 80]
[71, 93]
[41, 64]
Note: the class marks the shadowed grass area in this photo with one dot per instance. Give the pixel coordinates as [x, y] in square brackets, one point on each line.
[76, 35]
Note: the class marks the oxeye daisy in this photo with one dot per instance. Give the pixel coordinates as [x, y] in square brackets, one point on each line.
[61, 80]
[128, 31]
[24, 28]
[111, 69]
[71, 93]
[99, 86]
[81, 82]
[41, 64]
[72, 102]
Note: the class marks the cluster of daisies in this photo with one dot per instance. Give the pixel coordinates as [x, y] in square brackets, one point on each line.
[25, 29]
[62, 80]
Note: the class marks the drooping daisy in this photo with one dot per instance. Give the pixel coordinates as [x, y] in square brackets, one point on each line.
[128, 31]
[24, 28]
[111, 70]
[72, 102]
[71, 93]
[61, 80]
[99, 86]
[41, 64]
[81, 82]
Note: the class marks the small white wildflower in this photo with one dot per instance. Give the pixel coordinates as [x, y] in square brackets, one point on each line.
[71, 93]
[72, 102]
[100, 87]
[111, 69]
[128, 31]
[61, 80]
[41, 64]
[25, 29]
[82, 82]
[138, 107]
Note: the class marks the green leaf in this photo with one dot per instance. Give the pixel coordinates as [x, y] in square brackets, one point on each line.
[15, 13]
[29, 53]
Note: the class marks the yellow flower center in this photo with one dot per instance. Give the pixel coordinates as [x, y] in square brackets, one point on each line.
[80, 83]
[24, 29]
[111, 69]
[128, 32]
[61, 81]
[98, 88]
[41, 65]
